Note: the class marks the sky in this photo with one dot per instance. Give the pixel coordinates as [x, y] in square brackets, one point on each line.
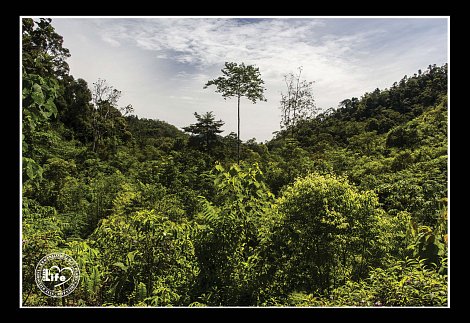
[161, 64]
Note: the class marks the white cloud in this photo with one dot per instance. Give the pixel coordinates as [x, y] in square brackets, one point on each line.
[164, 62]
[112, 41]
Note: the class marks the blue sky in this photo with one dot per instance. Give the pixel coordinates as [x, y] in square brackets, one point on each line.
[162, 64]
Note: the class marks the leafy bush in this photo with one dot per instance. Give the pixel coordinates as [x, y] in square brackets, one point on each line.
[323, 238]
[146, 255]
[230, 233]
[402, 283]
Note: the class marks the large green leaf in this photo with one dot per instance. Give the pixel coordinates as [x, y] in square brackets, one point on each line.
[37, 95]
[121, 266]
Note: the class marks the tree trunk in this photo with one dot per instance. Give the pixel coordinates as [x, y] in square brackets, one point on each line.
[238, 141]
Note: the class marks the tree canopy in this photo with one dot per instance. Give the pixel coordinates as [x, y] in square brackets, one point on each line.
[205, 132]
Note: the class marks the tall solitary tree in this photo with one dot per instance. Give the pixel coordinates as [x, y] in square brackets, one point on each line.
[238, 81]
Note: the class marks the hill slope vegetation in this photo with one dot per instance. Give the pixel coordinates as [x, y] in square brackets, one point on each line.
[346, 208]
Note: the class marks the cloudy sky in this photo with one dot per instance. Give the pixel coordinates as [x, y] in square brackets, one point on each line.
[162, 64]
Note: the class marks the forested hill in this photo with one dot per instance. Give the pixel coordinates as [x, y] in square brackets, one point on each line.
[392, 141]
[345, 208]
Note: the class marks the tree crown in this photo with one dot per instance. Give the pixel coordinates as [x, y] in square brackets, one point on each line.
[239, 80]
[206, 124]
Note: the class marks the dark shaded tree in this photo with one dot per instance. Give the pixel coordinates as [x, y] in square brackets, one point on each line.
[204, 133]
[42, 51]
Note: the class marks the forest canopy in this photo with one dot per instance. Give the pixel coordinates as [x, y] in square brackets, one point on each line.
[343, 207]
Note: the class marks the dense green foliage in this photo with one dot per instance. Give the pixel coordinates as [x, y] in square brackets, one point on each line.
[347, 208]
